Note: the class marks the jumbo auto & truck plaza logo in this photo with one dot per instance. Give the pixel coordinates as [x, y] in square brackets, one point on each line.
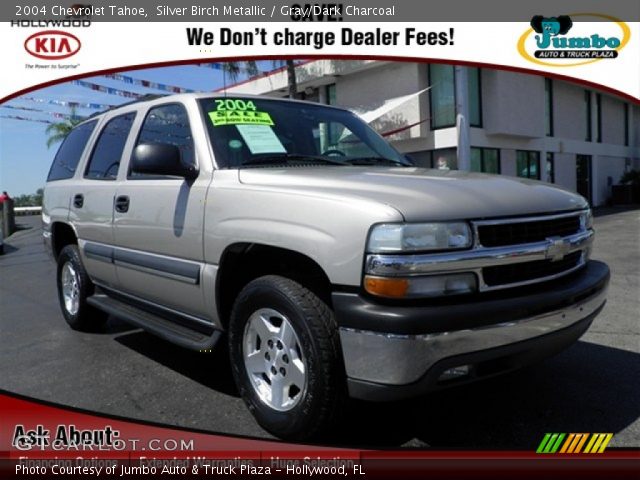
[567, 40]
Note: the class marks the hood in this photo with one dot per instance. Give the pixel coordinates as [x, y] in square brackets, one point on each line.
[422, 194]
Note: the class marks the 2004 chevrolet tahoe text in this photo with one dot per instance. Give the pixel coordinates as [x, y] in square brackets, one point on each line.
[330, 264]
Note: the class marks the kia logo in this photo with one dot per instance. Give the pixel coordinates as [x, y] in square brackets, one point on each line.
[52, 45]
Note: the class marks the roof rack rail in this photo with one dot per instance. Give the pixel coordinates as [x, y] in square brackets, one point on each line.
[144, 98]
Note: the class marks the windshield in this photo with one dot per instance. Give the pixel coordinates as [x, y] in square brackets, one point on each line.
[256, 131]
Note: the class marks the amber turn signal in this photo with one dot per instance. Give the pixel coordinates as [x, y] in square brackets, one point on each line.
[386, 287]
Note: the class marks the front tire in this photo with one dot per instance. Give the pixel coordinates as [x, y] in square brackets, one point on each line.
[286, 359]
[74, 287]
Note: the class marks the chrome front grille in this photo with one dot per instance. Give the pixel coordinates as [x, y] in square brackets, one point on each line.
[555, 232]
[515, 233]
[525, 272]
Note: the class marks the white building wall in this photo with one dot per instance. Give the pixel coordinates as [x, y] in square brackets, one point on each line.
[569, 111]
[607, 172]
[504, 109]
[634, 126]
[565, 170]
[508, 162]
[612, 120]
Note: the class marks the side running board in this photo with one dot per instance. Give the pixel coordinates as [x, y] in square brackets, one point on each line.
[156, 324]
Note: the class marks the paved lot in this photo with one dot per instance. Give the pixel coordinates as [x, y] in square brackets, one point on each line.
[592, 387]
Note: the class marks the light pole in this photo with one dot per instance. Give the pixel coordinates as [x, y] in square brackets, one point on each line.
[462, 118]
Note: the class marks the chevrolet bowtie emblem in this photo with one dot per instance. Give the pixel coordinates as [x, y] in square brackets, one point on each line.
[557, 248]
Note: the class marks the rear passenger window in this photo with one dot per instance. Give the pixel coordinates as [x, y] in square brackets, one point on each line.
[66, 160]
[168, 124]
[106, 155]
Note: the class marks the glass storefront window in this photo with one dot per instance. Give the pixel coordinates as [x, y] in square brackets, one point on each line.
[445, 159]
[442, 96]
[587, 107]
[528, 164]
[548, 106]
[550, 168]
[475, 97]
[331, 94]
[486, 160]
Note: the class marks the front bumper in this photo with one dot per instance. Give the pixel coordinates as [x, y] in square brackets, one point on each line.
[393, 351]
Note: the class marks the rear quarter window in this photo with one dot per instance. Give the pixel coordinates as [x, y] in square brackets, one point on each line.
[69, 154]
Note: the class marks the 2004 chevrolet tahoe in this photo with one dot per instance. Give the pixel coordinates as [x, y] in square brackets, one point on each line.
[330, 264]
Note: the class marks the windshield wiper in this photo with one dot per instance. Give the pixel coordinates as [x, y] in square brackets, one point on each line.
[374, 161]
[274, 159]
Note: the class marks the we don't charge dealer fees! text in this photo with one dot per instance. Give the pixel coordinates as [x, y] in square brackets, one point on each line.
[319, 39]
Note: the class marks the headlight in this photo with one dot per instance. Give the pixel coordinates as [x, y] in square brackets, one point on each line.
[586, 220]
[414, 237]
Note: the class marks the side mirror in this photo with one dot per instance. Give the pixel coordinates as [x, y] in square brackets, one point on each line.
[161, 159]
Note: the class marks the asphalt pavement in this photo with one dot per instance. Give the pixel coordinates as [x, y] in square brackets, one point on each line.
[591, 387]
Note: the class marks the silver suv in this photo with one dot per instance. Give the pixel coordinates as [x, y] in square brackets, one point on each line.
[331, 265]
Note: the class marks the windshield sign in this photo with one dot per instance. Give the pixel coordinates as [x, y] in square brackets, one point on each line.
[254, 132]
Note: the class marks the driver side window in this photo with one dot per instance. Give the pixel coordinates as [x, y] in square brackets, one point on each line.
[105, 158]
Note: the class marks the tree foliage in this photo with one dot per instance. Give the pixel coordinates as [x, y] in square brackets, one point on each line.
[29, 200]
[233, 69]
[58, 131]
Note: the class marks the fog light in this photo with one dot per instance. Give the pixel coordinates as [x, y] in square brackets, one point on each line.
[421, 287]
[454, 373]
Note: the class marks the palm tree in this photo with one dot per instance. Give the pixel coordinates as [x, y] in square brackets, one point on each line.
[291, 79]
[251, 68]
[58, 131]
[233, 69]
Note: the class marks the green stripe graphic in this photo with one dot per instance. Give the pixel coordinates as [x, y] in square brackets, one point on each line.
[558, 443]
[550, 443]
[543, 443]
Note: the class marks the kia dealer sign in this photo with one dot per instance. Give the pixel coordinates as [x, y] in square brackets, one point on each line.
[52, 45]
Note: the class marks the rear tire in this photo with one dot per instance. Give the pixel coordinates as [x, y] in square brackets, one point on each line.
[286, 359]
[74, 287]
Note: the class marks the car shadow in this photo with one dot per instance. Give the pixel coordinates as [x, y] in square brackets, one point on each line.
[210, 368]
[22, 226]
[588, 388]
[8, 249]
[115, 325]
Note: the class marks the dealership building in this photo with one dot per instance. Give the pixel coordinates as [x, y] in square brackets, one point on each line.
[480, 119]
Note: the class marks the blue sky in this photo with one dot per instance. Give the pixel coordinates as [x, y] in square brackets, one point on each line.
[24, 157]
